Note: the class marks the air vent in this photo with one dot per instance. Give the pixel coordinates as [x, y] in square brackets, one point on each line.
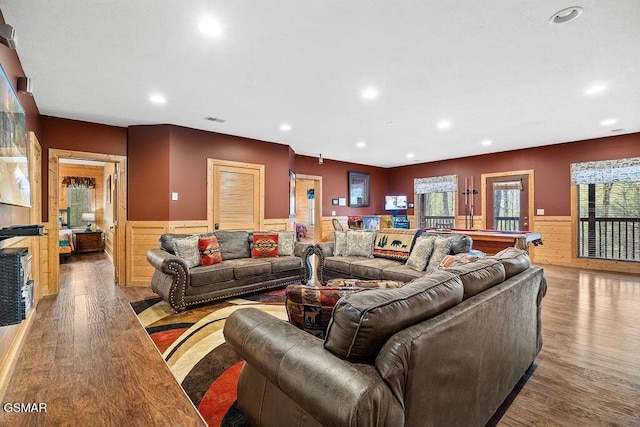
[617, 130]
[215, 119]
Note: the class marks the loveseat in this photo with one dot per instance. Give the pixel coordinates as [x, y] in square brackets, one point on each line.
[197, 269]
[445, 349]
[387, 254]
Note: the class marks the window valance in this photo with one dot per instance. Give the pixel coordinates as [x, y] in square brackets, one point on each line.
[436, 184]
[621, 170]
[79, 181]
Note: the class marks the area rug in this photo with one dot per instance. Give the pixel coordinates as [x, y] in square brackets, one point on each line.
[194, 348]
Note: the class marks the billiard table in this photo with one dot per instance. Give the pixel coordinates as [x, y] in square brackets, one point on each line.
[493, 241]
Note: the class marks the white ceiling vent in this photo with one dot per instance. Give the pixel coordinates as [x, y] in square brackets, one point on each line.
[215, 119]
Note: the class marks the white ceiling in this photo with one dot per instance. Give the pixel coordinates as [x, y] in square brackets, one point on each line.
[496, 69]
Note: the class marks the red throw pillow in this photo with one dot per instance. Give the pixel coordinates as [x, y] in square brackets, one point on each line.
[264, 245]
[209, 248]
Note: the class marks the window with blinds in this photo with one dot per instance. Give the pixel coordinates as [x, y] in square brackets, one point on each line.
[608, 209]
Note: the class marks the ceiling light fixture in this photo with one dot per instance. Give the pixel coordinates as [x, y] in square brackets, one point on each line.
[595, 89]
[361, 144]
[608, 122]
[285, 127]
[320, 159]
[210, 27]
[157, 99]
[566, 15]
[487, 142]
[370, 93]
[444, 124]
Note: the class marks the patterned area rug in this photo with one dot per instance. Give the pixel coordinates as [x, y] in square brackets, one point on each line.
[207, 368]
[193, 347]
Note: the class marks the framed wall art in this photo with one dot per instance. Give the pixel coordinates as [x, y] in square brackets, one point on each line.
[359, 189]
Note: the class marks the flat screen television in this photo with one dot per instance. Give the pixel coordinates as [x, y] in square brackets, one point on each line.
[394, 203]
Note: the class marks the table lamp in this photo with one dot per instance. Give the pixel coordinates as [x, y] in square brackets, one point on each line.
[88, 217]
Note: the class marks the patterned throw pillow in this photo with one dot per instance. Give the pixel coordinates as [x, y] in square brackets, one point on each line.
[340, 243]
[187, 249]
[309, 307]
[264, 245]
[441, 248]
[360, 243]
[209, 250]
[420, 253]
[455, 260]
[394, 243]
[358, 283]
[286, 243]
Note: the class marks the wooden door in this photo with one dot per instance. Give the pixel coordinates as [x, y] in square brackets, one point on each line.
[506, 199]
[35, 182]
[235, 195]
[115, 247]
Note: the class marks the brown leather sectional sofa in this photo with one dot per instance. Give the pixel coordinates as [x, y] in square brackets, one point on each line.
[237, 274]
[443, 350]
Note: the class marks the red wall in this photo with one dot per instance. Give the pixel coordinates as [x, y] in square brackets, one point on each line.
[334, 184]
[148, 152]
[550, 164]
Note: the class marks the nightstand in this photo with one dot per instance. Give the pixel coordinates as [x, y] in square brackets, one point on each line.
[88, 241]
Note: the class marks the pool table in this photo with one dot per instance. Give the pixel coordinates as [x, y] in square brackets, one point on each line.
[493, 241]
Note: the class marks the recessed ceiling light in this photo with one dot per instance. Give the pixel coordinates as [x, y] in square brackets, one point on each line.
[566, 15]
[410, 155]
[361, 144]
[444, 124]
[370, 93]
[285, 127]
[210, 27]
[595, 89]
[608, 122]
[157, 99]
[487, 142]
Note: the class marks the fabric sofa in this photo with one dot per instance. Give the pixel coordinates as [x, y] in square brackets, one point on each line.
[389, 256]
[236, 263]
[443, 350]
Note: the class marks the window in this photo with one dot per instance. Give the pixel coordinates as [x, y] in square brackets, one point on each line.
[506, 205]
[79, 200]
[608, 209]
[436, 201]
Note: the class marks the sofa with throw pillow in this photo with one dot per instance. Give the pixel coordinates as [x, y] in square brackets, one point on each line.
[445, 349]
[197, 269]
[387, 254]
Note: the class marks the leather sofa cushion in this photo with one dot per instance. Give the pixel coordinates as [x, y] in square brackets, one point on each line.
[284, 263]
[207, 275]
[403, 273]
[514, 260]
[234, 244]
[362, 322]
[249, 267]
[166, 241]
[340, 264]
[479, 275]
[371, 268]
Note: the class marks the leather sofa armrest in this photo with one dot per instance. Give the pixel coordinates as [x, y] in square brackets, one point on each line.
[326, 248]
[323, 250]
[304, 251]
[171, 278]
[332, 390]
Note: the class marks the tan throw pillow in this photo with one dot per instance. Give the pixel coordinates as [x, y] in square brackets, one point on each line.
[187, 249]
[441, 248]
[360, 243]
[450, 261]
[286, 243]
[420, 253]
[340, 243]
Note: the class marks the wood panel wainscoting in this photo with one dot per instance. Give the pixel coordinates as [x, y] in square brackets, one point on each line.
[144, 235]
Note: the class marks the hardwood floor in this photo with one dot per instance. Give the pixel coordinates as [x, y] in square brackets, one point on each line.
[90, 361]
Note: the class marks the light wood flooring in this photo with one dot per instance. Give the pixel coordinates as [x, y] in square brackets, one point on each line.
[90, 361]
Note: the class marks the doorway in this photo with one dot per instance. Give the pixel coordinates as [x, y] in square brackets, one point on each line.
[507, 201]
[308, 218]
[112, 186]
